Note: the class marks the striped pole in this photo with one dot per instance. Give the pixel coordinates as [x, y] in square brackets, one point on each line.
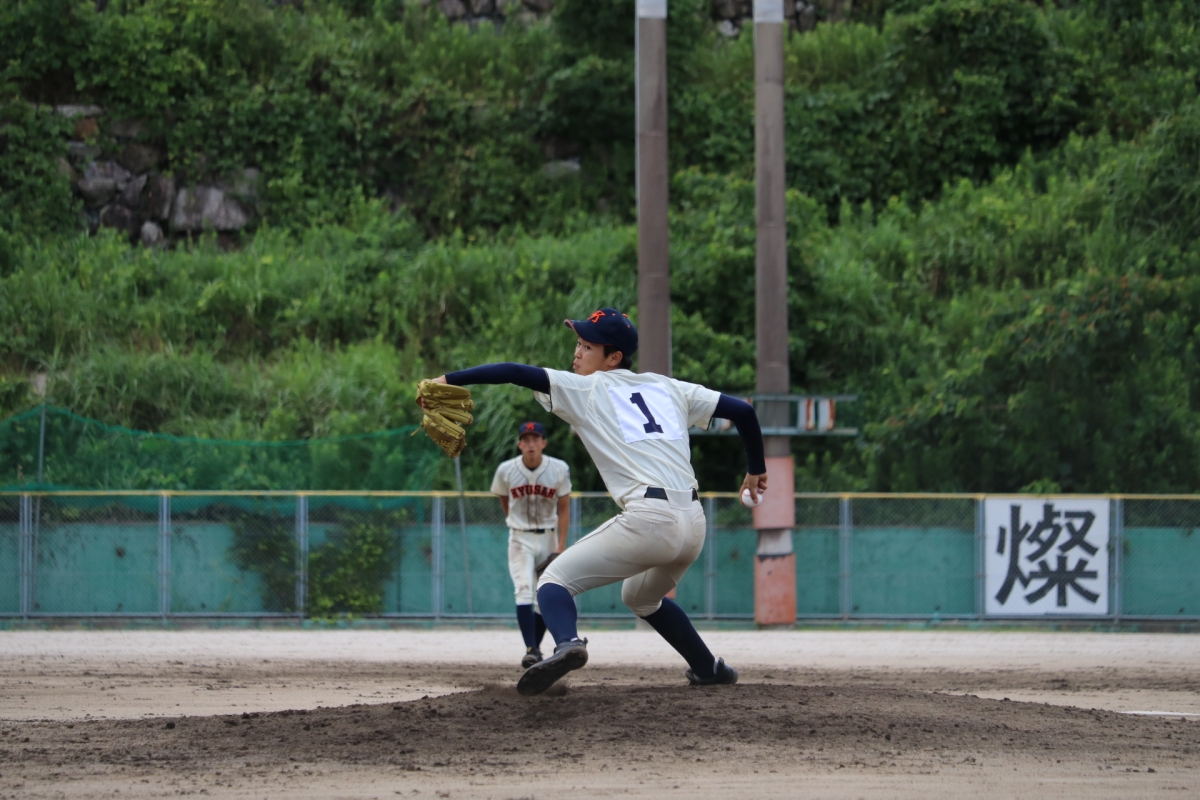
[775, 564]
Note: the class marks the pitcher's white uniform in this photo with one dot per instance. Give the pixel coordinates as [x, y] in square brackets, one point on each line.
[532, 516]
[635, 426]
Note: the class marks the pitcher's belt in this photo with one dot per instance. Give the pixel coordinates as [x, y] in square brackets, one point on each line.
[657, 493]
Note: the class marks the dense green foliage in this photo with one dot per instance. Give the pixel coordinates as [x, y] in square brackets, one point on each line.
[454, 123]
[993, 226]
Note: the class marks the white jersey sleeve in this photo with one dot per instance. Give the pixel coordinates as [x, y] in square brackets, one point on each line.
[570, 395]
[701, 403]
[564, 482]
[500, 481]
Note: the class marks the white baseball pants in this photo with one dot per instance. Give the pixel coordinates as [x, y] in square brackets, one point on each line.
[525, 551]
[649, 546]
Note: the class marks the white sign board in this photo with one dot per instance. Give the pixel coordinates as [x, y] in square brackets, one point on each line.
[1046, 555]
[768, 11]
[652, 9]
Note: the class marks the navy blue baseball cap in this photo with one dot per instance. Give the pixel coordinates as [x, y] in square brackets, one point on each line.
[606, 326]
[531, 427]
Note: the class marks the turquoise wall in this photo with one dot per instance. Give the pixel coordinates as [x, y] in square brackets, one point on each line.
[97, 569]
[10, 570]
[491, 588]
[907, 557]
[1161, 571]
[912, 571]
[411, 590]
[203, 579]
[818, 568]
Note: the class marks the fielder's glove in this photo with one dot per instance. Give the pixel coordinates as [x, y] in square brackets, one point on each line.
[540, 568]
[447, 413]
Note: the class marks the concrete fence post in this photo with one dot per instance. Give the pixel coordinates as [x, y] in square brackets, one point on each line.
[1118, 559]
[437, 555]
[710, 557]
[576, 525]
[845, 528]
[164, 556]
[980, 561]
[25, 554]
[301, 556]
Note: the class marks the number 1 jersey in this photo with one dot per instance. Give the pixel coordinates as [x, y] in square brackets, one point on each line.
[635, 426]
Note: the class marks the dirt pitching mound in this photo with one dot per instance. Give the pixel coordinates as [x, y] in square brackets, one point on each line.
[494, 731]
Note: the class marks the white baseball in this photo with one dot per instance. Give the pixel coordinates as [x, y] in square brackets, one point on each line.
[748, 501]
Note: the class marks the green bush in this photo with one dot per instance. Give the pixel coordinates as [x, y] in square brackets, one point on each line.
[1082, 387]
[353, 100]
[35, 193]
[323, 333]
[956, 170]
[331, 106]
[347, 571]
[299, 336]
[1037, 330]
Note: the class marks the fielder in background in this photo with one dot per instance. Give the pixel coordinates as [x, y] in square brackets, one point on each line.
[535, 493]
[635, 429]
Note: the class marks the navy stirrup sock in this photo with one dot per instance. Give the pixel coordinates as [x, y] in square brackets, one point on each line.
[539, 629]
[525, 621]
[558, 610]
[672, 624]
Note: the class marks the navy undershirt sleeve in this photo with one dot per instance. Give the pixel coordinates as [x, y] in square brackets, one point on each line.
[534, 378]
[742, 415]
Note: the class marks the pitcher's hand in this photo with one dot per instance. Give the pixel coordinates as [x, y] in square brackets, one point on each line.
[756, 484]
[439, 379]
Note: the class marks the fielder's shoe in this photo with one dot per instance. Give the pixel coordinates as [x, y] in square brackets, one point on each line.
[532, 656]
[723, 674]
[541, 676]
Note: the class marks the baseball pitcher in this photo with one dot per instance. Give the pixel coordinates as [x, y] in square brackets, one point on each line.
[535, 493]
[634, 426]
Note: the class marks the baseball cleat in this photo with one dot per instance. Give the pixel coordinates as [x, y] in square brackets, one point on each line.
[532, 656]
[567, 657]
[722, 675]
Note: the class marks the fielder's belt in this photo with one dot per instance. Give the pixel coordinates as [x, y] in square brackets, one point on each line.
[659, 493]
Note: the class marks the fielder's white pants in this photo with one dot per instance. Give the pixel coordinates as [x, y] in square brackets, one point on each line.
[525, 551]
[648, 546]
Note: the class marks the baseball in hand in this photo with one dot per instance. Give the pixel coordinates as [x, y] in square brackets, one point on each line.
[748, 500]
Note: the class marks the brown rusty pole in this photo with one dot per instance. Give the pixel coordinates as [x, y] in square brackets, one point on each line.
[654, 265]
[775, 565]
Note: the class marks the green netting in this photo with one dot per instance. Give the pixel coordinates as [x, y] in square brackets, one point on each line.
[81, 453]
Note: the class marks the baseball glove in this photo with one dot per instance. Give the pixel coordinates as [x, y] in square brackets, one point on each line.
[540, 568]
[447, 413]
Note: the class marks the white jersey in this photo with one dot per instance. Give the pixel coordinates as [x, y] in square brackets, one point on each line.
[635, 426]
[532, 493]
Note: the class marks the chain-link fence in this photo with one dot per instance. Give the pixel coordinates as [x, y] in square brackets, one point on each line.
[439, 555]
[1157, 558]
[50, 448]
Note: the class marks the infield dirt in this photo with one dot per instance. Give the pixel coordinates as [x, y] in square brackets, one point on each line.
[788, 730]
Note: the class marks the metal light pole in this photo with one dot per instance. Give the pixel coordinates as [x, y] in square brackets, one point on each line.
[775, 565]
[654, 266]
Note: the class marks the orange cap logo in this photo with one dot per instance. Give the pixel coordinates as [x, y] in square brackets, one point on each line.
[595, 317]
